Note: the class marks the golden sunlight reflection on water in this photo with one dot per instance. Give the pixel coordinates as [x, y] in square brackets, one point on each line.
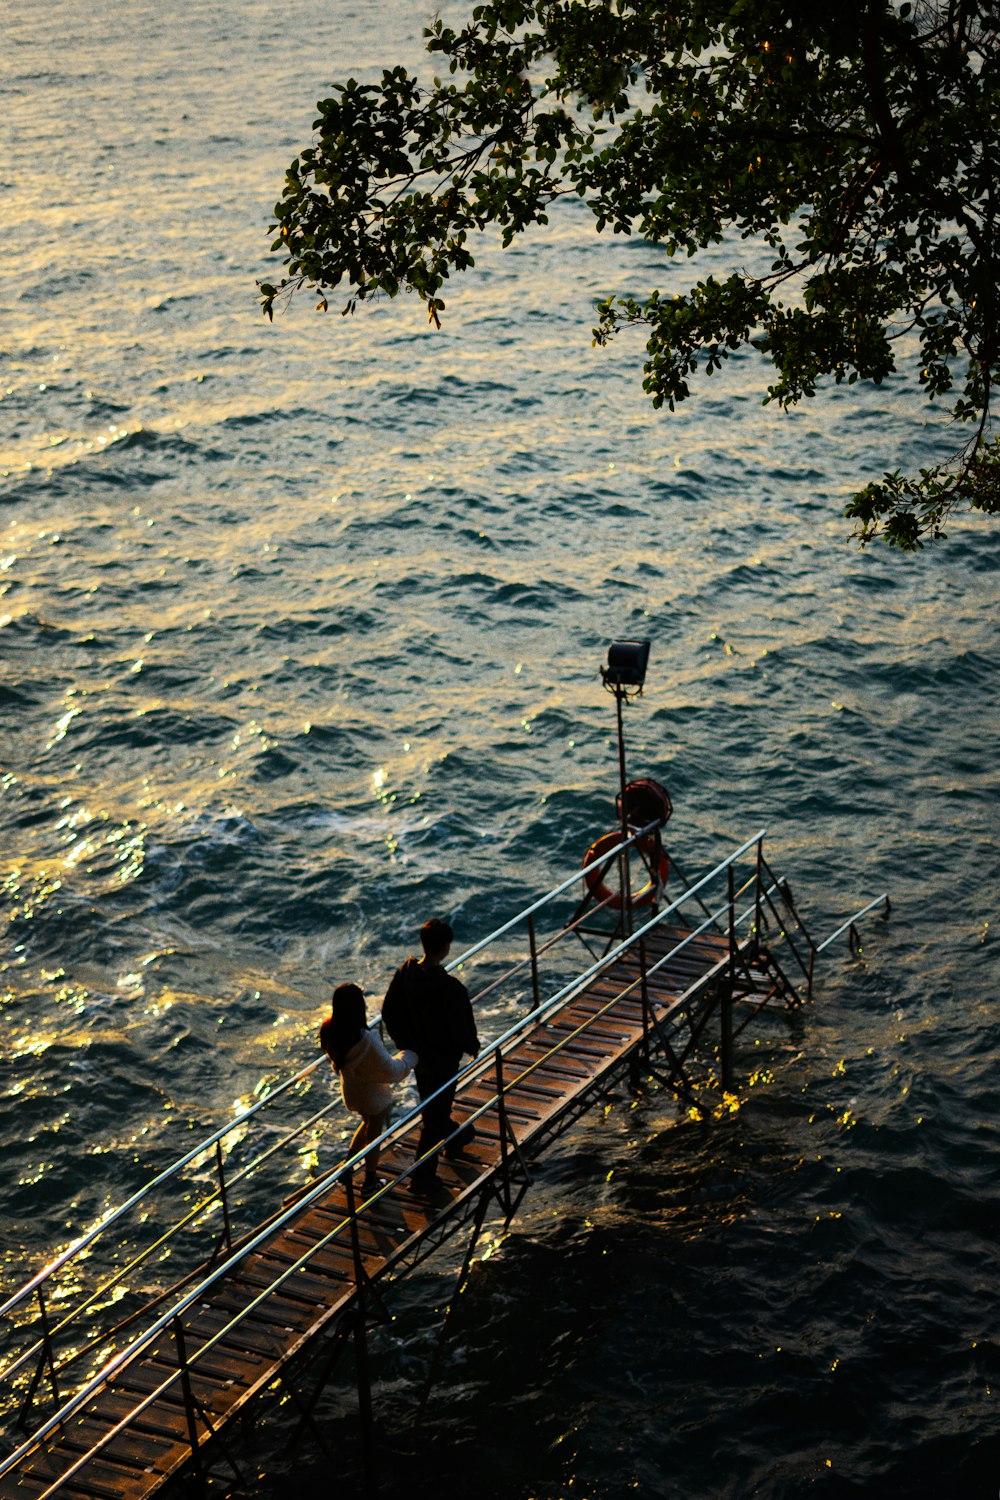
[301, 628]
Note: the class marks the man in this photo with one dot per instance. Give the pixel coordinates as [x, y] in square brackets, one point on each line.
[428, 1011]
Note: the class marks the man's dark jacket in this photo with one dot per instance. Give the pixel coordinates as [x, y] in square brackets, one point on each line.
[428, 1010]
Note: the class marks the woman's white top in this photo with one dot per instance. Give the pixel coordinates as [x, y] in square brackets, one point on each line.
[368, 1073]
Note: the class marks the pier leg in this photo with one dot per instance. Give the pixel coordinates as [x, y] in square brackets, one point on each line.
[533, 949]
[507, 1200]
[226, 1226]
[726, 1050]
[726, 996]
[435, 1363]
[365, 1411]
[633, 1067]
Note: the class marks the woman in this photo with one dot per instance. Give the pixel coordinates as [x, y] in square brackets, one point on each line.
[366, 1070]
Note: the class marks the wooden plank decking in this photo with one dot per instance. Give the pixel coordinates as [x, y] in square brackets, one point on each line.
[141, 1418]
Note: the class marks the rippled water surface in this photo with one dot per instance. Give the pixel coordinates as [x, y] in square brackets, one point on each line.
[300, 629]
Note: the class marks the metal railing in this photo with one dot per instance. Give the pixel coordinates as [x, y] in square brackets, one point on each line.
[490, 1063]
[228, 1252]
[49, 1342]
[850, 926]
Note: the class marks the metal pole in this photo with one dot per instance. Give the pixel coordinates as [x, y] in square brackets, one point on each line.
[622, 782]
[222, 1194]
[192, 1421]
[502, 1120]
[726, 1006]
[365, 1411]
[46, 1336]
[533, 946]
[757, 897]
[644, 989]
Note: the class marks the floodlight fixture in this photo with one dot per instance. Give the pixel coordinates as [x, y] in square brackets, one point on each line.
[626, 666]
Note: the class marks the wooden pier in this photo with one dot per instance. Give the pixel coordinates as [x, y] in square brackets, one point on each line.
[279, 1306]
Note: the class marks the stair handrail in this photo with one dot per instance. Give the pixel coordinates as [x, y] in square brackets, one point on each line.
[90, 1235]
[322, 1186]
[84, 1241]
[862, 912]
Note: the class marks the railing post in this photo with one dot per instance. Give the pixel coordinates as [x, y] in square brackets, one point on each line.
[729, 985]
[644, 991]
[365, 1411]
[757, 915]
[352, 1213]
[502, 1121]
[48, 1350]
[501, 1107]
[626, 896]
[643, 1050]
[533, 947]
[189, 1407]
[227, 1230]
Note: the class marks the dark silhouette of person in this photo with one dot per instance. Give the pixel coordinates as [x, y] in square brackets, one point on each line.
[426, 1010]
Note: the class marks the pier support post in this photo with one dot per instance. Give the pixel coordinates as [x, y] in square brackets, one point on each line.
[533, 948]
[226, 1226]
[502, 1120]
[728, 990]
[365, 1412]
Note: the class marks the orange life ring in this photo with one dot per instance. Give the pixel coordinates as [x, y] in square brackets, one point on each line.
[649, 847]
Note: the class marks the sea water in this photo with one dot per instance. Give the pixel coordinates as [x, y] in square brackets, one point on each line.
[301, 629]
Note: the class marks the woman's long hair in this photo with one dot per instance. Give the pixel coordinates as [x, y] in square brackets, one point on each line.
[345, 1024]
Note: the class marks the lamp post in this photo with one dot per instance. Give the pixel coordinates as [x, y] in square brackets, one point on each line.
[624, 676]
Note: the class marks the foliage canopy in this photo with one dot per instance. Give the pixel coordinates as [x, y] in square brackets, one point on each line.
[858, 142]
